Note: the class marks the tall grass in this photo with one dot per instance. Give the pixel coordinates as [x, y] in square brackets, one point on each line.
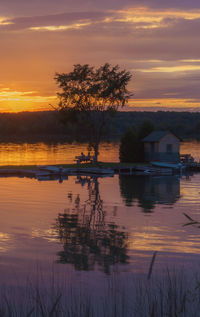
[172, 294]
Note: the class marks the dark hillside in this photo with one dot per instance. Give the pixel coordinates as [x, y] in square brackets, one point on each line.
[46, 125]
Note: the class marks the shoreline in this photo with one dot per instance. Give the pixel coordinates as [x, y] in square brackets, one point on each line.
[62, 171]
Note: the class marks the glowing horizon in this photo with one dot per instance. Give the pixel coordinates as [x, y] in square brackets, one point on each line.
[158, 43]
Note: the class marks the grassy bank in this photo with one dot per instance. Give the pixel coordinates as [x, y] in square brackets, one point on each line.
[174, 294]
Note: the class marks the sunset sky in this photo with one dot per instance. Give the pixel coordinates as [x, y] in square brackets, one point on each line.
[156, 40]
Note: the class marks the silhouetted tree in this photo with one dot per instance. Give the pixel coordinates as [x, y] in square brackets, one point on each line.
[128, 146]
[145, 129]
[131, 146]
[89, 97]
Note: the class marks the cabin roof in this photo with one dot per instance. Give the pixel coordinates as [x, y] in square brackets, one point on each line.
[156, 136]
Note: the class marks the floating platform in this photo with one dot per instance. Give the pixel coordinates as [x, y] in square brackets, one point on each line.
[142, 170]
[55, 172]
[195, 166]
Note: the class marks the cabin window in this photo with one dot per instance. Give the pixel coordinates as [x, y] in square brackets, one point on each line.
[169, 148]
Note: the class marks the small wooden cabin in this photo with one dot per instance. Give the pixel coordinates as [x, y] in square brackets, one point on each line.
[163, 146]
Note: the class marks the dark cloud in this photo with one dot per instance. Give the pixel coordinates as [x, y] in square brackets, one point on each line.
[179, 40]
[38, 7]
[170, 88]
[179, 4]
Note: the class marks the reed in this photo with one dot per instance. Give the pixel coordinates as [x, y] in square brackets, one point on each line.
[171, 294]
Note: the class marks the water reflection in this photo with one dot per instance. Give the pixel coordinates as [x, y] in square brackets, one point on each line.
[64, 153]
[148, 191]
[50, 153]
[97, 231]
[88, 239]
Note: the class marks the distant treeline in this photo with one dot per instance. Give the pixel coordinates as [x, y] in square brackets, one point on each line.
[183, 124]
[48, 126]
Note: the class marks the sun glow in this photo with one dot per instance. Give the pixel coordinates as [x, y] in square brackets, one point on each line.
[164, 103]
[16, 101]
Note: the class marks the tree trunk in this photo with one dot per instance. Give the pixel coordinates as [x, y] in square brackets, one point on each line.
[96, 152]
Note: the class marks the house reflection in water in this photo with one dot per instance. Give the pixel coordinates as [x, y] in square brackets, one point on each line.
[148, 191]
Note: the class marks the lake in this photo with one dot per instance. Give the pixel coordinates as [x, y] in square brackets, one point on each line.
[64, 153]
[90, 232]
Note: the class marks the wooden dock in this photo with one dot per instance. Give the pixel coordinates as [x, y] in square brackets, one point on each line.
[142, 170]
[58, 172]
[195, 166]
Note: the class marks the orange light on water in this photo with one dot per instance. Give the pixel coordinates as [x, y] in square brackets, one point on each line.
[41, 153]
[163, 241]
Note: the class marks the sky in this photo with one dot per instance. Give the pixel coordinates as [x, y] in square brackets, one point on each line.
[156, 40]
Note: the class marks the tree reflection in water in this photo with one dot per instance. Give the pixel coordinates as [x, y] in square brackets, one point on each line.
[148, 191]
[88, 240]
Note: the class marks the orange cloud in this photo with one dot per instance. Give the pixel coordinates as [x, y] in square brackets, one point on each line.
[60, 27]
[164, 103]
[171, 69]
[16, 101]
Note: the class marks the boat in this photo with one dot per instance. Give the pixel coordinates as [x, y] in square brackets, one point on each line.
[52, 169]
[96, 171]
[168, 165]
[42, 173]
[58, 170]
[50, 177]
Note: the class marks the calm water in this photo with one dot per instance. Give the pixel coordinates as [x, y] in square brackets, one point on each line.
[97, 224]
[86, 228]
[41, 153]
